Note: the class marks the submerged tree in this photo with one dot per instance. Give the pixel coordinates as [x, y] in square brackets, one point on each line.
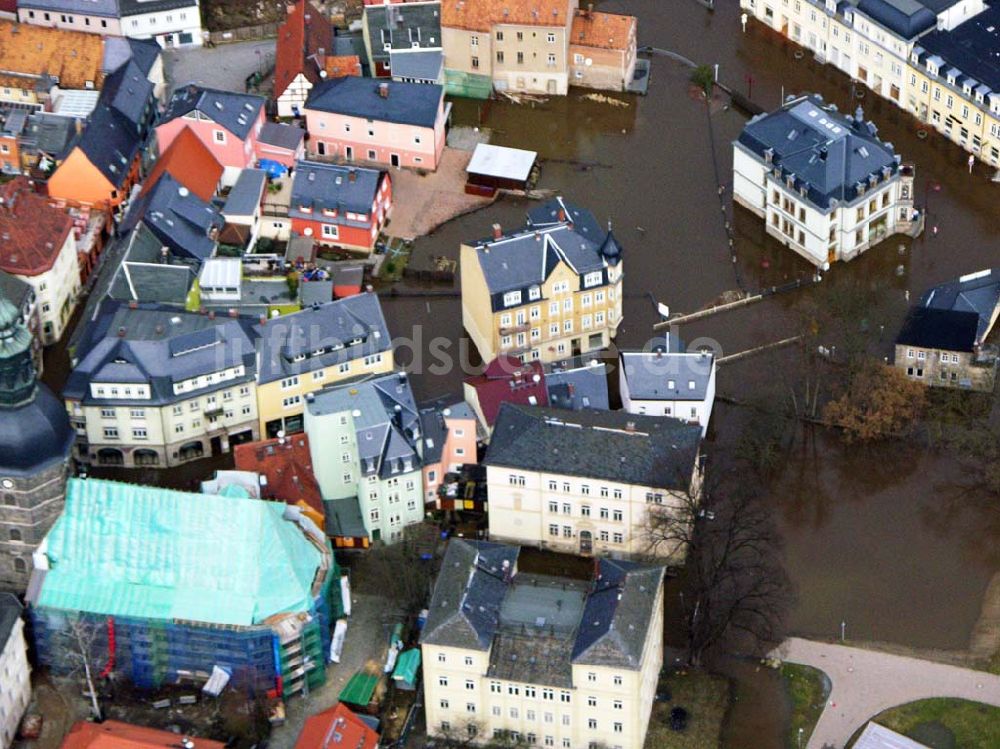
[704, 77]
[879, 401]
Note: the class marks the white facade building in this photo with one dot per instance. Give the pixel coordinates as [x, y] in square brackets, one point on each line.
[15, 673]
[585, 482]
[824, 184]
[172, 23]
[553, 662]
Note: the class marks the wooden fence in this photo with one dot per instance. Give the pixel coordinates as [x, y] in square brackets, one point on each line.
[244, 33]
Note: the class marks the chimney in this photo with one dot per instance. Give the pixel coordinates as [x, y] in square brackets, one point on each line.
[165, 255]
[121, 332]
[383, 90]
[233, 312]
[79, 125]
[352, 176]
[590, 9]
[211, 314]
[497, 231]
[133, 304]
[630, 426]
[262, 319]
[562, 215]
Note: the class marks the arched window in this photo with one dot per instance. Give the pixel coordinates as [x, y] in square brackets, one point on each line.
[15, 534]
[20, 565]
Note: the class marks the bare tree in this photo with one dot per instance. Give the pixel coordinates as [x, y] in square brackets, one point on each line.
[396, 572]
[735, 591]
[82, 638]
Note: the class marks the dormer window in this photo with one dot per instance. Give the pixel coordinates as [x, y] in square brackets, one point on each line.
[534, 293]
[592, 279]
[511, 298]
[305, 209]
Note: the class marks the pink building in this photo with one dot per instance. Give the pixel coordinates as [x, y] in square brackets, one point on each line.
[449, 436]
[389, 123]
[228, 123]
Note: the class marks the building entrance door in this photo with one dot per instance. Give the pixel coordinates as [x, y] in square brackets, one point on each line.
[586, 542]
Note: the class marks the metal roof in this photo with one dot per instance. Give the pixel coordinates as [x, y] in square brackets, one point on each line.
[879, 737]
[500, 161]
[224, 272]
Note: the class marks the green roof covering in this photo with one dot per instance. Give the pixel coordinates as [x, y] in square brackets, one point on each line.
[359, 689]
[234, 490]
[141, 551]
[407, 665]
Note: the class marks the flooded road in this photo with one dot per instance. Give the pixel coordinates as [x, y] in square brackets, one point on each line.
[867, 541]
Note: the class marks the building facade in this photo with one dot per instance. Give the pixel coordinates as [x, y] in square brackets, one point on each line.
[449, 442]
[602, 50]
[546, 292]
[510, 655]
[824, 184]
[172, 23]
[390, 123]
[15, 693]
[399, 25]
[307, 351]
[517, 47]
[305, 40]
[155, 386]
[586, 482]
[36, 442]
[364, 437]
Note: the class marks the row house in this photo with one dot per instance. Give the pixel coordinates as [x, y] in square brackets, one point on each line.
[587, 482]
[188, 161]
[391, 27]
[510, 46]
[538, 660]
[38, 246]
[306, 351]
[171, 23]
[390, 123]
[546, 292]
[666, 380]
[449, 442]
[365, 439]
[154, 386]
[339, 206]
[602, 50]
[823, 183]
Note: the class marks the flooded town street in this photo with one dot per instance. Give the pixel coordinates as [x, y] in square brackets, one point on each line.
[867, 539]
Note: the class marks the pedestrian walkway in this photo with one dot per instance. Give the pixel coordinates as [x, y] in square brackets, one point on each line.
[866, 682]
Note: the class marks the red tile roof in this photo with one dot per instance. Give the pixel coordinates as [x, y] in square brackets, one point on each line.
[188, 161]
[113, 734]
[305, 31]
[287, 465]
[32, 232]
[507, 380]
[342, 65]
[603, 30]
[336, 728]
[482, 15]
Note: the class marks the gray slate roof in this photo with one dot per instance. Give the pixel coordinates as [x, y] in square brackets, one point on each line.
[578, 387]
[90, 7]
[406, 103]
[970, 47]
[119, 50]
[660, 452]
[235, 112]
[423, 65]
[331, 187]
[385, 419]
[138, 7]
[50, 134]
[649, 374]
[10, 612]
[827, 154]
[182, 221]
[142, 275]
[907, 18]
[433, 433]
[343, 518]
[159, 346]
[404, 26]
[974, 292]
[281, 135]
[344, 329]
[245, 196]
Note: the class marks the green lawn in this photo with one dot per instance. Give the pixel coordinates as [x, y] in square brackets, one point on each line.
[705, 697]
[807, 693]
[945, 723]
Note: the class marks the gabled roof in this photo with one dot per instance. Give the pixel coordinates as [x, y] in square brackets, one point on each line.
[602, 30]
[32, 232]
[658, 452]
[113, 734]
[337, 66]
[332, 187]
[421, 65]
[129, 92]
[305, 31]
[189, 162]
[142, 275]
[825, 154]
[650, 374]
[281, 135]
[110, 142]
[401, 25]
[507, 380]
[138, 7]
[975, 292]
[184, 222]
[404, 103]
[50, 134]
[578, 387]
[118, 50]
[245, 196]
[235, 112]
[945, 329]
[29, 51]
[336, 728]
[481, 15]
[286, 466]
[152, 553]
[95, 7]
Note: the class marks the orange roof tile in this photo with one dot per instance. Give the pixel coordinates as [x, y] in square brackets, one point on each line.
[481, 15]
[342, 65]
[113, 734]
[336, 728]
[288, 467]
[305, 31]
[32, 232]
[188, 161]
[603, 30]
[75, 57]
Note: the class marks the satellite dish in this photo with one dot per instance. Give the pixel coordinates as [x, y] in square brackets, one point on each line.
[664, 311]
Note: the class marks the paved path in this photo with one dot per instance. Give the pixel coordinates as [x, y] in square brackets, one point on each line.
[866, 682]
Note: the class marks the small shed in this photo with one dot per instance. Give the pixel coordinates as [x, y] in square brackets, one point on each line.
[362, 692]
[499, 167]
[407, 665]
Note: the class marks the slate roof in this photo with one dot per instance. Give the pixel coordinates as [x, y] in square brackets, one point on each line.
[946, 329]
[423, 65]
[32, 232]
[649, 374]
[971, 47]
[825, 153]
[305, 31]
[468, 606]
[138, 7]
[281, 135]
[333, 187]
[128, 91]
[15, 290]
[548, 214]
[110, 142]
[245, 196]
[235, 112]
[906, 18]
[158, 345]
[10, 612]
[142, 275]
[184, 222]
[49, 134]
[404, 25]
[433, 433]
[91, 7]
[343, 518]
[189, 161]
[385, 418]
[578, 387]
[661, 452]
[344, 329]
[407, 103]
[119, 50]
[35, 435]
[974, 292]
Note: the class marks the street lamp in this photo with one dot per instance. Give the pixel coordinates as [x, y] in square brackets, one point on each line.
[843, 628]
[800, 737]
